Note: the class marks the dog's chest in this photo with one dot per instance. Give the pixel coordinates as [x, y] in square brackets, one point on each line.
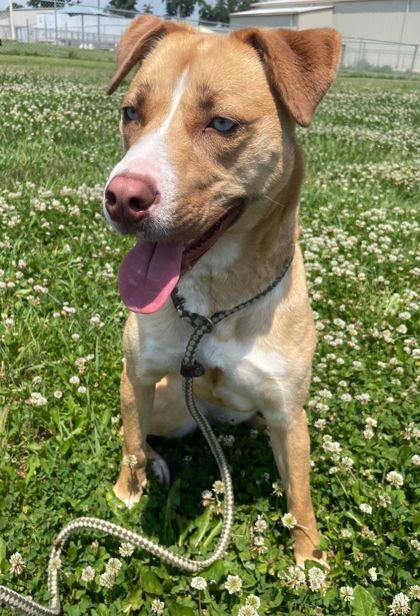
[238, 372]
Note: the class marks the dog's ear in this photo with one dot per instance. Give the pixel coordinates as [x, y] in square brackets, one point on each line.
[300, 66]
[137, 40]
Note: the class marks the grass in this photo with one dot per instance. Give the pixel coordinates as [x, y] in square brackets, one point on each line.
[61, 318]
[47, 50]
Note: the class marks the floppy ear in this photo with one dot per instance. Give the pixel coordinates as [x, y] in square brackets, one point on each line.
[300, 66]
[137, 40]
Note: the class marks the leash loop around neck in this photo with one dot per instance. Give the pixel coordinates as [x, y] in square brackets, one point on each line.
[190, 367]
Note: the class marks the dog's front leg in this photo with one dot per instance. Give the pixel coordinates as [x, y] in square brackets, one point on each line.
[136, 408]
[291, 449]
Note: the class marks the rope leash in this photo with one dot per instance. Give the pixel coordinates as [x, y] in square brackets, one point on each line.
[190, 368]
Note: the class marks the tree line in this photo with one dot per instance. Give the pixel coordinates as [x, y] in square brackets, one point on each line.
[174, 8]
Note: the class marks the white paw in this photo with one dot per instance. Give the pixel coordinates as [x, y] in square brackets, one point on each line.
[161, 469]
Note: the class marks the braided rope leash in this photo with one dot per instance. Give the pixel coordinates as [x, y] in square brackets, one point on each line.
[190, 369]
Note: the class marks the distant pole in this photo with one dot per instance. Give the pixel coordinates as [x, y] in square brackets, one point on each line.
[55, 22]
[413, 61]
[11, 21]
[98, 32]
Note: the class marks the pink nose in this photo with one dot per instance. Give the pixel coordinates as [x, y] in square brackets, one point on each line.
[129, 196]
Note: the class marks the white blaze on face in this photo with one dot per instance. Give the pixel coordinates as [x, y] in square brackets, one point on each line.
[149, 156]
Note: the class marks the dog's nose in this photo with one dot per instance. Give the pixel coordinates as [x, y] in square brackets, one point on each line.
[129, 196]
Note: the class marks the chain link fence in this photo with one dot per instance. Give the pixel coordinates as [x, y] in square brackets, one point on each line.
[87, 27]
[384, 56]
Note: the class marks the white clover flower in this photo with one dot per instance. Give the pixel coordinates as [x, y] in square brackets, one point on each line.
[373, 574]
[107, 579]
[247, 610]
[255, 602]
[395, 479]
[365, 508]
[233, 584]
[295, 577]
[130, 460]
[126, 549]
[207, 497]
[74, 380]
[404, 316]
[364, 398]
[368, 433]
[384, 500]
[289, 521]
[96, 321]
[316, 578]
[371, 422]
[415, 591]
[88, 574]
[198, 582]
[218, 487]
[399, 605]
[259, 546]
[17, 564]
[346, 533]
[36, 399]
[157, 606]
[347, 462]
[260, 525]
[415, 460]
[346, 594]
[113, 566]
[58, 394]
[81, 390]
[277, 488]
[331, 446]
[75, 337]
[415, 544]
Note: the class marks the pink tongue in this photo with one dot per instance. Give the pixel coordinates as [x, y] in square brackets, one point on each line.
[148, 274]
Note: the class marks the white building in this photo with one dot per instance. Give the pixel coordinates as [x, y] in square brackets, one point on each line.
[380, 33]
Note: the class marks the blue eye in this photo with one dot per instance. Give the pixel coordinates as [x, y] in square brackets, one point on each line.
[223, 125]
[130, 114]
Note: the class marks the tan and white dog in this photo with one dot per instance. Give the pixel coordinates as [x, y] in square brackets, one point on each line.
[209, 185]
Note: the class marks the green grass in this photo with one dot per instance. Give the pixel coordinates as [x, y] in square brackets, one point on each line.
[47, 50]
[60, 452]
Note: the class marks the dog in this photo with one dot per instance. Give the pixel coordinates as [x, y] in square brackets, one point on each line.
[209, 186]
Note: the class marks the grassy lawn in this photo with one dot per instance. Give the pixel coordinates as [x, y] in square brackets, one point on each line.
[61, 323]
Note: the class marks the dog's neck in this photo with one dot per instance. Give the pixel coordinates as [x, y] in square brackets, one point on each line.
[242, 264]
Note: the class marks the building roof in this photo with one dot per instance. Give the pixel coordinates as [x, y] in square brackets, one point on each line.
[284, 10]
[289, 3]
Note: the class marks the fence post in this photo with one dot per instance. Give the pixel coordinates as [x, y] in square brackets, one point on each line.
[343, 54]
[413, 61]
[98, 33]
[11, 21]
[55, 22]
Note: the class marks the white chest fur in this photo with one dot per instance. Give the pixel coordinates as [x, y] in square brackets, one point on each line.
[244, 373]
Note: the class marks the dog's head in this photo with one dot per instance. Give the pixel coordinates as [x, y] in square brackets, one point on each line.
[207, 128]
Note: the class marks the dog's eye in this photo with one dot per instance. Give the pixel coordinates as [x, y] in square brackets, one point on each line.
[223, 125]
[130, 114]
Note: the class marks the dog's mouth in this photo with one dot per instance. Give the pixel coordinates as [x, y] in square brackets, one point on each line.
[151, 270]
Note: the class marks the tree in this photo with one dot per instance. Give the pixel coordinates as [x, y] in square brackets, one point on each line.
[180, 8]
[147, 8]
[221, 10]
[122, 7]
[46, 4]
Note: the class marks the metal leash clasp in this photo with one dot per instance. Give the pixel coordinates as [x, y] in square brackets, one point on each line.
[202, 326]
